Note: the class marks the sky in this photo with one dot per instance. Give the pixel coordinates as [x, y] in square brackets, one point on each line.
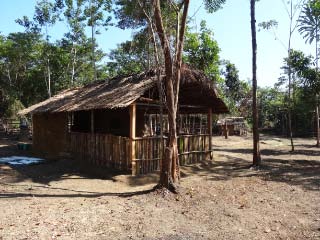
[231, 27]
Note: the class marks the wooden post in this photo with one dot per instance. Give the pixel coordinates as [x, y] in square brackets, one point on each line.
[92, 121]
[132, 138]
[226, 131]
[210, 131]
[92, 138]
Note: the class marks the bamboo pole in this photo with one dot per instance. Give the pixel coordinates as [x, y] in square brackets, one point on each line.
[132, 137]
[209, 122]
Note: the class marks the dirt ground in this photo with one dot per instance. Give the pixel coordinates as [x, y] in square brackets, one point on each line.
[223, 199]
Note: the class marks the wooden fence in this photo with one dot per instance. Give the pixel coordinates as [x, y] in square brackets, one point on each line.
[148, 152]
[191, 149]
[101, 150]
[10, 126]
[141, 155]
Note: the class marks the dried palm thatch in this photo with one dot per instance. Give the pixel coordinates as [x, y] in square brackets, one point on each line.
[120, 92]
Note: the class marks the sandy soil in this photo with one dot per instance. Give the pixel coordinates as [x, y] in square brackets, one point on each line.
[223, 199]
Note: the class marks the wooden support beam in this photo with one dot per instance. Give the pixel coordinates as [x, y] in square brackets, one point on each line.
[209, 122]
[92, 121]
[132, 110]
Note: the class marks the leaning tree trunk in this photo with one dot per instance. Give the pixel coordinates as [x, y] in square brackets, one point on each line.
[170, 174]
[256, 149]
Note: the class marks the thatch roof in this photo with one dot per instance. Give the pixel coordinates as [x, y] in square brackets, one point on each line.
[120, 92]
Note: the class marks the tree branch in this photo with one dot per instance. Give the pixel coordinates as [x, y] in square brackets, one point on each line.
[180, 49]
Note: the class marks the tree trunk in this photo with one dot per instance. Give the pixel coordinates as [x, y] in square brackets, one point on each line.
[290, 80]
[317, 106]
[159, 80]
[49, 77]
[170, 172]
[256, 148]
[93, 54]
[317, 123]
[93, 48]
[74, 51]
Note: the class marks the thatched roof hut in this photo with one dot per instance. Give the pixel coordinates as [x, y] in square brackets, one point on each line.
[115, 123]
[196, 89]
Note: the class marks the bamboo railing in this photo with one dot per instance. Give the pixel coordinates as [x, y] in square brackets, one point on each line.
[116, 152]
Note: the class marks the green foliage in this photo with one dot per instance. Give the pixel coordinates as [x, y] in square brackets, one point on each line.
[130, 56]
[202, 51]
[19, 57]
[73, 12]
[214, 5]
[309, 21]
[14, 106]
[305, 86]
[273, 111]
[268, 24]
[232, 81]
[129, 13]
[306, 75]
[271, 106]
[95, 12]
[236, 94]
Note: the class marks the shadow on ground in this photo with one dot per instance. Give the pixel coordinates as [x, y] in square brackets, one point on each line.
[40, 176]
[74, 194]
[296, 171]
[299, 170]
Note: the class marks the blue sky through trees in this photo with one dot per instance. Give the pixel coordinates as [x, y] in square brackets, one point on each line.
[231, 27]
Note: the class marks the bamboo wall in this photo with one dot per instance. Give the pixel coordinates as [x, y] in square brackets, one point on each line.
[50, 134]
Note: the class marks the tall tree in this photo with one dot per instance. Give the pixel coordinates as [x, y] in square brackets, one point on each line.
[256, 147]
[293, 9]
[97, 15]
[170, 172]
[21, 67]
[73, 13]
[237, 94]
[45, 16]
[169, 18]
[308, 78]
[309, 26]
